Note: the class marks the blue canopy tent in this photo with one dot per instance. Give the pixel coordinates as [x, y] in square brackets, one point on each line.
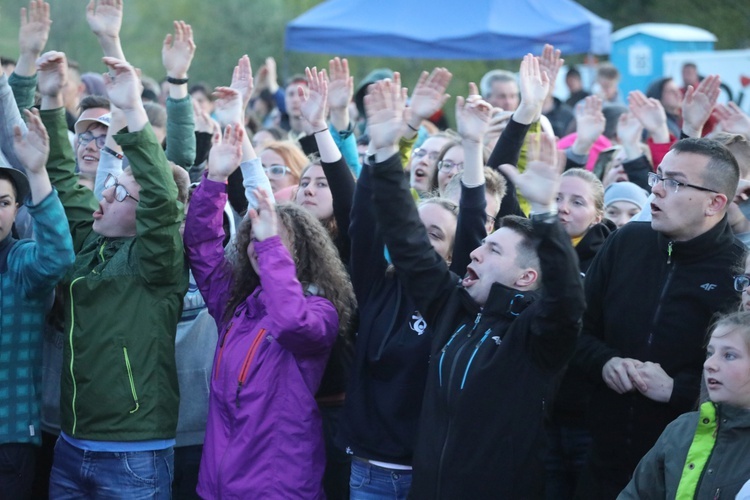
[448, 29]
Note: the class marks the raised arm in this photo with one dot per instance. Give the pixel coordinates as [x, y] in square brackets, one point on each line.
[204, 232]
[424, 273]
[590, 124]
[79, 202]
[340, 180]
[635, 165]
[340, 92]
[159, 215]
[697, 105]
[733, 120]
[110, 156]
[472, 118]
[9, 119]
[177, 54]
[32, 36]
[105, 20]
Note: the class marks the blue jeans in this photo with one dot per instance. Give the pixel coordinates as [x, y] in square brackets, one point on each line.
[370, 482]
[78, 473]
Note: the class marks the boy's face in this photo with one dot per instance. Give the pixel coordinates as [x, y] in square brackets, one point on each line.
[8, 207]
[116, 219]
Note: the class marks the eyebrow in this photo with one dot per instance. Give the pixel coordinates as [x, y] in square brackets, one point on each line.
[671, 175]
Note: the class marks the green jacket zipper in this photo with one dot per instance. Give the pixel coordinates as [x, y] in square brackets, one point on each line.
[130, 380]
[72, 354]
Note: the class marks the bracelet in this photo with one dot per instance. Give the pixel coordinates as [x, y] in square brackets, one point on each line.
[319, 131]
[111, 151]
[177, 81]
[414, 129]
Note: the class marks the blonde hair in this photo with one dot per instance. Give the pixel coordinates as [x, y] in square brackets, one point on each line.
[597, 190]
[739, 322]
[292, 155]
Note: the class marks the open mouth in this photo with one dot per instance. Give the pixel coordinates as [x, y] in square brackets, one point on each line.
[655, 209]
[419, 173]
[98, 213]
[470, 278]
[712, 383]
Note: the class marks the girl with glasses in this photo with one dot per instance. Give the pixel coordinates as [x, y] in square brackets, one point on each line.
[283, 162]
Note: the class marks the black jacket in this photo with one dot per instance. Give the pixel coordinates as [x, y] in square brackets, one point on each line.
[480, 429]
[646, 304]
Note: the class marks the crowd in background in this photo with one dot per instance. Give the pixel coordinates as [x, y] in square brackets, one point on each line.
[324, 289]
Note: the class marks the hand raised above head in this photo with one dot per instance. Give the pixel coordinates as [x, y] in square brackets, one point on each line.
[534, 85]
[314, 99]
[540, 180]
[35, 26]
[698, 103]
[105, 17]
[242, 80]
[550, 62]
[52, 72]
[590, 121]
[178, 50]
[429, 94]
[264, 219]
[651, 114]
[226, 152]
[123, 84]
[33, 147]
[341, 84]
[472, 115]
[384, 104]
[733, 120]
[227, 106]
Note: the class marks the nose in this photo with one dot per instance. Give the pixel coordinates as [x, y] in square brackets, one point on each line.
[475, 256]
[109, 194]
[658, 189]
[562, 205]
[309, 190]
[709, 364]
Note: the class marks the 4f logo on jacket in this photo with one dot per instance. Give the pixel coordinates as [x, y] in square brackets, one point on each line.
[417, 323]
[708, 286]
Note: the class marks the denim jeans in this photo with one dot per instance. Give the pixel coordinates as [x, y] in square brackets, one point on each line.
[16, 470]
[79, 473]
[370, 482]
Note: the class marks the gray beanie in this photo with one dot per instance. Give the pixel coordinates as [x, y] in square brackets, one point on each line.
[625, 191]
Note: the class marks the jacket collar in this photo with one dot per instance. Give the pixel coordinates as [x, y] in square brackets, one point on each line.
[736, 418]
[503, 301]
[701, 246]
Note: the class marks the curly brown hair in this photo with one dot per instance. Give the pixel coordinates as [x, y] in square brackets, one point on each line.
[315, 258]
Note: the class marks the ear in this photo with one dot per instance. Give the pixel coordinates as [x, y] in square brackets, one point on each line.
[717, 205]
[527, 279]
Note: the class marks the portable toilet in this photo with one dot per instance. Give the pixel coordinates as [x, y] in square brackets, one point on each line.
[638, 50]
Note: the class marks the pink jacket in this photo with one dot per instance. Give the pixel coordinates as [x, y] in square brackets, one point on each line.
[264, 437]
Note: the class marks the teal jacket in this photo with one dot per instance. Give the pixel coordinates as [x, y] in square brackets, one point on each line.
[28, 274]
[123, 300]
[701, 455]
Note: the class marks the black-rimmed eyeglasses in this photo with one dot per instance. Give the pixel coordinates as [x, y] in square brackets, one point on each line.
[672, 185]
[120, 192]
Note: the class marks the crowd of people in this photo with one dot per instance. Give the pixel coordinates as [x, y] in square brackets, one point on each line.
[324, 291]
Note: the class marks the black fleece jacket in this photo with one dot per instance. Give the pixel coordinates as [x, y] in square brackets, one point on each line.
[651, 299]
[480, 431]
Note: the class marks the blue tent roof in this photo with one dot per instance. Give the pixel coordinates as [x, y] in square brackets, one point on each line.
[448, 29]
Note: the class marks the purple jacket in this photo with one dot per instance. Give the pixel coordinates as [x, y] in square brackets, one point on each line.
[264, 437]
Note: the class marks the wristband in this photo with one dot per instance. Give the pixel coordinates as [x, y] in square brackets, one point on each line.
[546, 217]
[414, 129]
[319, 131]
[177, 81]
[111, 151]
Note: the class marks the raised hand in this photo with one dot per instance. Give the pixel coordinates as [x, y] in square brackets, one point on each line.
[698, 103]
[203, 121]
[590, 124]
[733, 120]
[540, 181]
[429, 95]
[52, 71]
[651, 114]
[178, 50]
[272, 76]
[228, 105]
[264, 219]
[384, 105]
[33, 147]
[123, 84]
[313, 100]
[242, 80]
[341, 85]
[472, 115]
[105, 17]
[32, 36]
[226, 152]
[629, 129]
[550, 63]
[534, 84]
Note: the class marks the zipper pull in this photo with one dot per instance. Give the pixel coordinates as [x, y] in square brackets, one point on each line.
[237, 395]
[716, 495]
[669, 253]
[476, 322]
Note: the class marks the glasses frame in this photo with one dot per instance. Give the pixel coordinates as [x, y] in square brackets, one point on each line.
[420, 153]
[738, 281]
[459, 166]
[287, 170]
[654, 179]
[86, 137]
[120, 192]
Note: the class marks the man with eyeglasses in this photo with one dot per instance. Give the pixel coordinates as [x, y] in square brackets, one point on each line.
[91, 132]
[652, 291]
[123, 298]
